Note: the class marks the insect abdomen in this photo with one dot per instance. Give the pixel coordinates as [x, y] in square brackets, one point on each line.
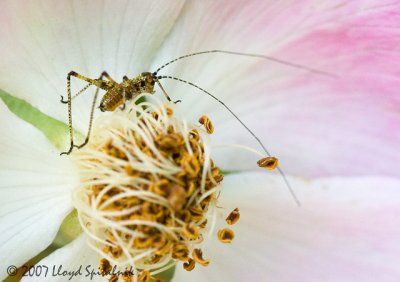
[111, 100]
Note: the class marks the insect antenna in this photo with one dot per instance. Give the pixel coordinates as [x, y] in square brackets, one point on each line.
[243, 124]
[269, 58]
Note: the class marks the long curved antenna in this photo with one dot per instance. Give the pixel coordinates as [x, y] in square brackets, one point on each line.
[298, 66]
[244, 125]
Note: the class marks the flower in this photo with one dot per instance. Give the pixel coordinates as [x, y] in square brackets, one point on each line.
[342, 132]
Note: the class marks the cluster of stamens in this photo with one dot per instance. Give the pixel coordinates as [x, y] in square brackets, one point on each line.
[148, 191]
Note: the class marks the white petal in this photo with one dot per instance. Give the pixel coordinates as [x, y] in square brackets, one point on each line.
[75, 257]
[41, 41]
[347, 229]
[34, 190]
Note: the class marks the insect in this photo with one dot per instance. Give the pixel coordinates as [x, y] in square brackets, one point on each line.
[118, 93]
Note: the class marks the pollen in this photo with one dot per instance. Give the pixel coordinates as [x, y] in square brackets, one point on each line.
[148, 191]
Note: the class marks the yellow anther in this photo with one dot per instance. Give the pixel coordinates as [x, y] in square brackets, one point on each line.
[105, 267]
[216, 174]
[189, 265]
[226, 235]
[169, 111]
[191, 165]
[154, 115]
[196, 212]
[233, 217]
[190, 231]
[144, 276]
[180, 251]
[113, 278]
[127, 276]
[142, 242]
[194, 134]
[204, 120]
[170, 141]
[268, 163]
[197, 255]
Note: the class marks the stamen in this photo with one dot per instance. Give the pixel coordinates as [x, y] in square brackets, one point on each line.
[148, 190]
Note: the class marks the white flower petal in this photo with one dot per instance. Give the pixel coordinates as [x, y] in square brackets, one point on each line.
[41, 41]
[35, 190]
[75, 257]
[347, 229]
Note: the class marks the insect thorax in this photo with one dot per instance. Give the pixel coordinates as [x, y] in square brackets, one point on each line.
[127, 90]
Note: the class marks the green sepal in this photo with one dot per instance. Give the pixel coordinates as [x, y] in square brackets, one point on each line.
[56, 131]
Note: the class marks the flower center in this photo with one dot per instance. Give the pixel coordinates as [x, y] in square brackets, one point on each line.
[148, 190]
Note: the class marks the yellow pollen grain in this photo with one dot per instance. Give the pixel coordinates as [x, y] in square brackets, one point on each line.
[226, 235]
[268, 163]
[233, 217]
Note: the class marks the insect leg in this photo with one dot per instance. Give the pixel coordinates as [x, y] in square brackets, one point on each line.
[77, 94]
[106, 75]
[71, 132]
[165, 93]
[97, 82]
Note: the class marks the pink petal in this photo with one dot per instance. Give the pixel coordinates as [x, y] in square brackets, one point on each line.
[347, 229]
[316, 125]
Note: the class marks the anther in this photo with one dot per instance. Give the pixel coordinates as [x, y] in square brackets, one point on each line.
[113, 278]
[226, 235]
[105, 267]
[189, 265]
[233, 217]
[204, 120]
[197, 255]
[190, 231]
[268, 163]
[180, 251]
[144, 276]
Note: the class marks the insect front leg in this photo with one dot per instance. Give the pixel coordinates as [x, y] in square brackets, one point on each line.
[165, 93]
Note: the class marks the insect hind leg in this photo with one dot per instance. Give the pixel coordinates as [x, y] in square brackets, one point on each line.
[94, 82]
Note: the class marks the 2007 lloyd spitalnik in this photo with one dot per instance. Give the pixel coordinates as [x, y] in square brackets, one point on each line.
[86, 271]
